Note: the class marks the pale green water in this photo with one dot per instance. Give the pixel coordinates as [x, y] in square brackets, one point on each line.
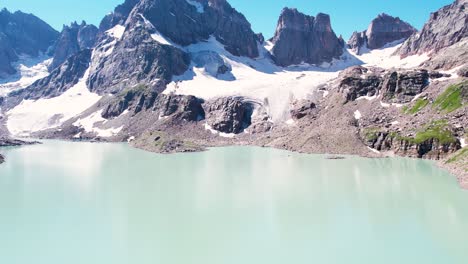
[83, 203]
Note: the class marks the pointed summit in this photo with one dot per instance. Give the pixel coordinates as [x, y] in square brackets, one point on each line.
[300, 38]
[384, 29]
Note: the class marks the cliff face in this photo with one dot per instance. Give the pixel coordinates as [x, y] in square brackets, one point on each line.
[446, 27]
[118, 17]
[133, 58]
[187, 22]
[22, 33]
[304, 39]
[382, 30]
[73, 39]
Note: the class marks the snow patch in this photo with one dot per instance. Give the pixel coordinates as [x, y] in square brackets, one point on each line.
[373, 150]
[29, 70]
[89, 125]
[463, 142]
[269, 45]
[290, 122]
[368, 98]
[161, 39]
[258, 79]
[116, 32]
[384, 104]
[357, 115]
[216, 132]
[385, 57]
[33, 116]
[197, 5]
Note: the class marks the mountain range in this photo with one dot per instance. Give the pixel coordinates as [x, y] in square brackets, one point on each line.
[181, 75]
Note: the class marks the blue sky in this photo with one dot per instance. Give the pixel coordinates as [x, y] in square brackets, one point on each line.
[346, 15]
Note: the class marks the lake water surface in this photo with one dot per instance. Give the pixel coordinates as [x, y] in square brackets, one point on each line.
[85, 203]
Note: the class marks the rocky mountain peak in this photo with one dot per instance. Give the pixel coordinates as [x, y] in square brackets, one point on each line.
[382, 30]
[73, 39]
[22, 33]
[301, 38]
[187, 22]
[446, 27]
[119, 16]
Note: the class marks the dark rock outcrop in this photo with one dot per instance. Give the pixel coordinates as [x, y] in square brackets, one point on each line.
[302, 108]
[358, 81]
[382, 30]
[72, 39]
[394, 86]
[143, 98]
[134, 100]
[22, 33]
[357, 41]
[180, 107]
[188, 22]
[431, 148]
[447, 26]
[229, 114]
[2, 159]
[401, 87]
[300, 38]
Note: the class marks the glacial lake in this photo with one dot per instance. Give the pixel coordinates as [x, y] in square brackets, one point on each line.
[85, 203]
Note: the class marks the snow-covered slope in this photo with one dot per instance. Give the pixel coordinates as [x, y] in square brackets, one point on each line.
[29, 70]
[385, 58]
[261, 80]
[33, 116]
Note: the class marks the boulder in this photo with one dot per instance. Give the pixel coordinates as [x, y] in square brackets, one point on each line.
[229, 114]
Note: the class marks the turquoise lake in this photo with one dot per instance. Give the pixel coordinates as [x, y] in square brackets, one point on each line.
[88, 203]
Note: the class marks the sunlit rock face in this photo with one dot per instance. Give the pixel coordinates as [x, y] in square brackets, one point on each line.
[300, 38]
[384, 29]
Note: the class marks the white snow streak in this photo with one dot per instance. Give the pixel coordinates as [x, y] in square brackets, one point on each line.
[197, 5]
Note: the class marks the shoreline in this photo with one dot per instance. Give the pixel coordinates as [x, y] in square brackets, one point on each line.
[453, 169]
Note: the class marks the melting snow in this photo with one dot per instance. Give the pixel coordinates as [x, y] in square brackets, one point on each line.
[29, 70]
[369, 98]
[384, 57]
[463, 142]
[116, 32]
[357, 115]
[161, 39]
[373, 150]
[197, 5]
[258, 79]
[33, 116]
[216, 132]
[290, 122]
[89, 125]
